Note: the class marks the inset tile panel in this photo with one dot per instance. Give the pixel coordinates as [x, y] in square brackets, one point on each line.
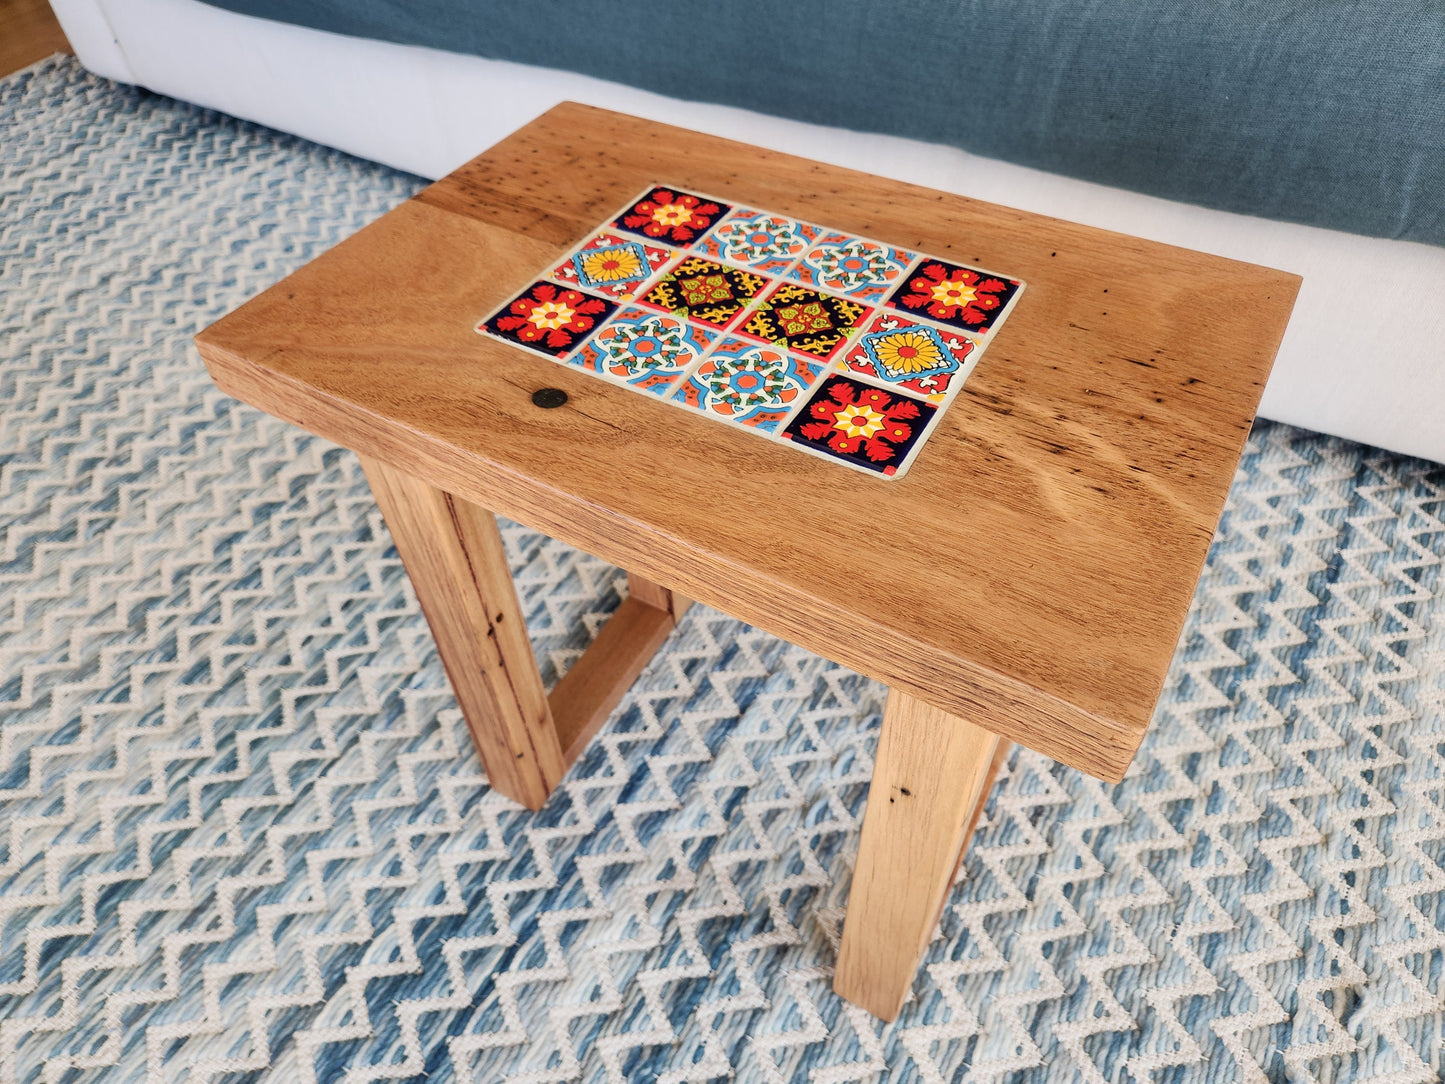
[852, 353]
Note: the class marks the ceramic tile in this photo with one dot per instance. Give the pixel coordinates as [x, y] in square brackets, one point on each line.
[919, 357]
[612, 265]
[748, 383]
[864, 425]
[798, 332]
[704, 291]
[864, 270]
[648, 350]
[797, 318]
[548, 318]
[671, 215]
[965, 297]
[762, 241]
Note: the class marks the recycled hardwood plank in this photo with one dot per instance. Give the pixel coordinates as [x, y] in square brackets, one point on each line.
[656, 595]
[930, 777]
[596, 683]
[1034, 567]
[453, 553]
[29, 32]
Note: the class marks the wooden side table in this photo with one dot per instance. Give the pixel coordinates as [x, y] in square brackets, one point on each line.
[1027, 580]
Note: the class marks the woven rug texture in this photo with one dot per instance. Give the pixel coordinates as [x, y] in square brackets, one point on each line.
[244, 836]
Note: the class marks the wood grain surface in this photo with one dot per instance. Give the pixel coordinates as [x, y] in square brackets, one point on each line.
[29, 32]
[597, 682]
[1034, 567]
[654, 594]
[930, 776]
[453, 553]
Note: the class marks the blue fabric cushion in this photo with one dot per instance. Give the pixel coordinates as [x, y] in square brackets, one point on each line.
[1330, 113]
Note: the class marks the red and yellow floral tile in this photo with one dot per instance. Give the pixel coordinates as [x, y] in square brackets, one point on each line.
[548, 318]
[648, 350]
[949, 293]
[761, 241]
[912, 355]
[860, 424]
[848, 348]
[612, 265]
[703, 291]
[748, 383]
[807, 321]
[672, 216]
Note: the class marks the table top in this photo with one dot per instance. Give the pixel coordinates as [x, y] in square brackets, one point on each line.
[1030, 572]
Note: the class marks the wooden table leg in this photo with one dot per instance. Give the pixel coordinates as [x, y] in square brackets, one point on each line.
[525, 737]
[596, 683]
[657, 596]
[930, 779]
[453, 553]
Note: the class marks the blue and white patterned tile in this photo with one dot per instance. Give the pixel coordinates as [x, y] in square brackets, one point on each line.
[644, 349]
[759, 240]
[931, 361]
[748, 383]
[612, 265]
[861, 269]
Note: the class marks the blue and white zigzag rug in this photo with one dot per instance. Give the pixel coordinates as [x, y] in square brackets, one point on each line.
[243, 834]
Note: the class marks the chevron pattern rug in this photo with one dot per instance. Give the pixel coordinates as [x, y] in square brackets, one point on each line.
[244, 837]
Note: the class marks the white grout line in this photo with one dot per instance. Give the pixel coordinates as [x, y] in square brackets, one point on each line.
[835, 365]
